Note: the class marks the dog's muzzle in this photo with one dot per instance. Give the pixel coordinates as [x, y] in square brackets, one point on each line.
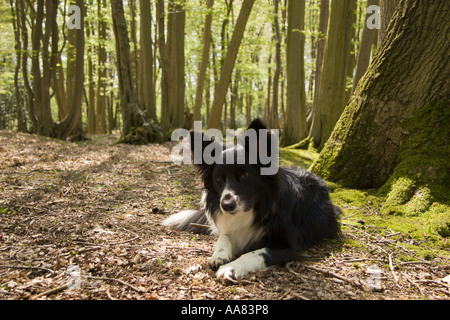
[228, 203]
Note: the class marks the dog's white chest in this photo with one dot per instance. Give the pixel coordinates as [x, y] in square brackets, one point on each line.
[239, 228]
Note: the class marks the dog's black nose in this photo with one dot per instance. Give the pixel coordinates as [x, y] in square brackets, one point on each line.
[229, 205]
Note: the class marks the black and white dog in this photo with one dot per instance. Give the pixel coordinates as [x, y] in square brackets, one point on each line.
[261, 220]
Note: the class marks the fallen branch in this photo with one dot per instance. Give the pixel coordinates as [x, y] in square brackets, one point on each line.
[25, 267]
[114, 279]
[50, 292]
[198, 225]
[329, 273]
[391, 266]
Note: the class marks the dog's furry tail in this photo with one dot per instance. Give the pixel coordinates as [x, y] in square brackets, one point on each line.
[189, 220]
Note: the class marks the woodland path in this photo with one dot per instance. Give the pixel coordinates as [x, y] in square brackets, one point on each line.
[96, 208]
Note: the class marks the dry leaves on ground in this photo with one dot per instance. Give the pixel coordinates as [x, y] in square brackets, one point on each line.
[82, 221]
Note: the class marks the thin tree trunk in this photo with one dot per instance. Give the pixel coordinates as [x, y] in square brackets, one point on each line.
[227, 69]
[321, 41]
[165, 67]
[277, 73]
[369, 37]
[73, 118]
[331, 98]
[137, 128]
[206, 40]
[30, 92]
[147, 98]
[295, 124]
[101, 69]
[177, 65]
[91, 84]
[15, 13]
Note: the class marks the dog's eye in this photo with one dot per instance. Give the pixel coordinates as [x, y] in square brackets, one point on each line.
[244, 174]
[219, 178]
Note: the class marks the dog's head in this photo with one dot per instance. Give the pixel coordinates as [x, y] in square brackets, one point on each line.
[234, 172]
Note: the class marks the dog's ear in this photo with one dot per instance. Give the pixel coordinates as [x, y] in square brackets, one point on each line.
[253, 131]
[265, 147]
[257, 124]
[199, 143]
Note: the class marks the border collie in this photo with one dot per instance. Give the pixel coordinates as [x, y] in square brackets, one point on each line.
[261, 220]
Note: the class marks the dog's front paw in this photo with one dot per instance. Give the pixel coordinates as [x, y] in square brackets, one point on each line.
[227, 272]
[218, 260]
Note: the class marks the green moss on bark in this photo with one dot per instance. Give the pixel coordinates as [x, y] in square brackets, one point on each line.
[420, 182]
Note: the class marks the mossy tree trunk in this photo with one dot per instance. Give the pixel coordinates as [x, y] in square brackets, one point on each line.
[395, 127]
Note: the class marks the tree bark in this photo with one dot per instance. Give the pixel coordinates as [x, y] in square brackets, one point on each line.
[387, 9]
[276, 76]
[331, 98]
[399, 112]
[165, 67]
[73, 117]
[15, 13]
[295, 124]
[369, 37]
[177, 65]
[147, 98]
[137, 128]
[206, 40]
[91, 114]
[321, 41]
[101, 69]
[227, 69]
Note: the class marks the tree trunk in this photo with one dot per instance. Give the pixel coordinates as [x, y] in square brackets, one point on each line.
[331, 98]
[394, 131]
[387, 9]
[227, 69]
[15, 13]
[165, 67]
[177, 65]
[321, 41]
[91, 83]
[147, 98]
[369, 37]
[295, 125]
[72, 120]
[35, 65]
[234, 99]
[277, 72]
[101, 68]
[137, 128]
[206, 40]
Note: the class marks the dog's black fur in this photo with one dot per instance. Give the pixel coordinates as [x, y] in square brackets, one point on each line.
[261, 220]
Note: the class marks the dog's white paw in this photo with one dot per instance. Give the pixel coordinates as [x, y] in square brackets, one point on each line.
[232, 271]
[218, 259]
[249, 262]
[227, 272]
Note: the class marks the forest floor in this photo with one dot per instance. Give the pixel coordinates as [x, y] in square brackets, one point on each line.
[83, 221]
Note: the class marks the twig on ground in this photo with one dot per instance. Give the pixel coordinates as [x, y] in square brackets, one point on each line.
[114, 279]
[25, 267]
[326, 272]
[391, 266]
[198, 225]
[50, 292]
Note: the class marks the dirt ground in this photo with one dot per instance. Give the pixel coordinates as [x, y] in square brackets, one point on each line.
[82, 221]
